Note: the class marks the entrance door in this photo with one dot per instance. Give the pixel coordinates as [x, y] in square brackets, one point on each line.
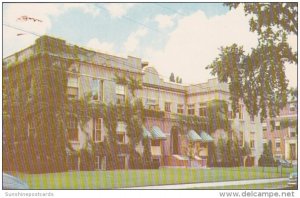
[174, 142]
[292, 151]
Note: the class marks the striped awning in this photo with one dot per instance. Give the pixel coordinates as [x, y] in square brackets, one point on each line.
[146, 133]
[193, 136]
[205, 137]
[157, 133]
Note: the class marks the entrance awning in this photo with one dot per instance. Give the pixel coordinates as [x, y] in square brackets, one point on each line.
[157, 133]
[146, 133]
[193, 136]
[205, 137]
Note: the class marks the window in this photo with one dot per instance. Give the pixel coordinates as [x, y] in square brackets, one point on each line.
[240, 112]
[252, 138]
[97, 89]
[155, 142]
[277, 126]
[31, 128]
[72, 129]
[121, 138]
[97, 129]
[167, 106]
[202, 110]
[292, 131]
[264, 127]
[97, 162]
[72, 90]
[277, 145]
[120, 91]
[73, 81]
[180, 108]
[191, 109]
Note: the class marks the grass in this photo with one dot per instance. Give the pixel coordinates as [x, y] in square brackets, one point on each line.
[131, 178]
[274, 185]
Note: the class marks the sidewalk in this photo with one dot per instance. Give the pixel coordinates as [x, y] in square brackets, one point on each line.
[211, 184]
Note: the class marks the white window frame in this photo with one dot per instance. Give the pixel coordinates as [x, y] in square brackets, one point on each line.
[71, 124]
[277, 124]
[120, 91]
[276, 147]
[97, 162]
[191, 107]
[169, 107]
[180, 107]
[96, 129]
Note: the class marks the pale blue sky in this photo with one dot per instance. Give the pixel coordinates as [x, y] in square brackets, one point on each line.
[174, 37]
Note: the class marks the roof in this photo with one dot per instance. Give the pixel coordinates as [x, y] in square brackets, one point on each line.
[157, 133]
[146, 133]
[193, 136]
[205, 137]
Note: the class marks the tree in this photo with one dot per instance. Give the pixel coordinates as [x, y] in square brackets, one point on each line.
[217, 114]
[258, 78]
[47, 111]
[177, 79]
[222, 152]
[212, 155]
[147, 155]
[293, 92]
[172, 77]
[180, 81]
[266, 159]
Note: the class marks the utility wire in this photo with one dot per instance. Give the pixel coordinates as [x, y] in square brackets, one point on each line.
[167, 8]
[16, 28]
[132, 20]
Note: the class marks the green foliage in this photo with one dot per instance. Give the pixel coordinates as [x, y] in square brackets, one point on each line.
[172, 77]
[258, 78]
[217, 113]
[212, 159]
[154, 113]
[122, 80]
[189, 122]
[134, 123]
[286, 122]
[266, 159]
[293, 92]
[134, 84]
[147, 156]
[110, 119]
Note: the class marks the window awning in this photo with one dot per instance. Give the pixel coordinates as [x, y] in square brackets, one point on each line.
[146, 133]
[205, 137]
[157, 133]
[193, 136]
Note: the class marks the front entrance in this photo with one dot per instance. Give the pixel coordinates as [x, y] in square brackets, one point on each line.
[292, 151]
[174, 141]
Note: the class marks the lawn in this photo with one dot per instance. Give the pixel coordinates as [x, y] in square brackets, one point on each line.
[132, 178]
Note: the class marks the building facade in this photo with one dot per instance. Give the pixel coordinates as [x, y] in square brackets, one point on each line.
[95, 73]
[284, 132]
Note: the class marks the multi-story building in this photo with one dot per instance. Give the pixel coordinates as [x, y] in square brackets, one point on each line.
[283, 134]
[95, 72]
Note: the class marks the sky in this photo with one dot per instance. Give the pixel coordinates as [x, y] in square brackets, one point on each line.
[182, 38]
